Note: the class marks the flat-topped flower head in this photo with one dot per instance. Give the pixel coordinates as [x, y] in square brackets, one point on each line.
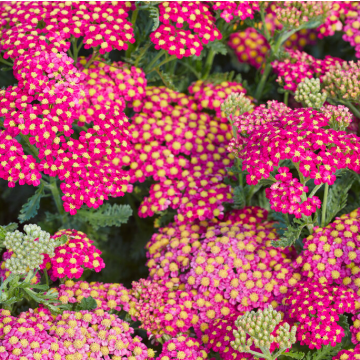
[299, 66]
[316, 307]
[107, 296]
[331, 255]
[102, 25]
[176, 40]
[231, 9]
[71, 258]
[171, 250]
[28, 338]
[181, 348]
[97, 334]
[182, 148]
[276, 132]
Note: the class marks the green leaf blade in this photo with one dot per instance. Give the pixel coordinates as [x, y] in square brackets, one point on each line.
[31, 207]
[87, 303]
[106, 215]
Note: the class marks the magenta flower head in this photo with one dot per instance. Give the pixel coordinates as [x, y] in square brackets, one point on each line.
[331, 255]
[317, 307]
[73, 257]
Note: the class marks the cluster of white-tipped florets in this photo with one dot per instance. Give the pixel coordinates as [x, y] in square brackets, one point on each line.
[308, 93]
[28, 248]
[256, 328]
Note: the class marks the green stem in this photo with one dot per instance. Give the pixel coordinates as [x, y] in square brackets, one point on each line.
[324, 205]
[241, 182]
[56, 195]
[46, 277]
[301, 176]
[315, 189]
[353, 109]
[134, 16]
[131, 47]
[261, 85]
[258, 355]
[76, 48]
[5, 62]
[32, 149]
[266, 31]
[95, 53]
[286, 98]
[208, 64]
[154, 60]
[172, 57]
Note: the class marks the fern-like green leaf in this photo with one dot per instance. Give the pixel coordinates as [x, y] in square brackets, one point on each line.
[294, 355]
[31, 207]
[289, 237]
[266, 182]
[218, 78]
[327, 352]
[137, 57]
[282, 221]
[106, 215]
[154, 14]
[87, 303]
[338, 194]
[165, 218]
[7, 228]
[239, 197]
[218, 47]
[346, 340]
[166, 79]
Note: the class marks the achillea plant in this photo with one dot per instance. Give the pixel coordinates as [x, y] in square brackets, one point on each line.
[229, 127]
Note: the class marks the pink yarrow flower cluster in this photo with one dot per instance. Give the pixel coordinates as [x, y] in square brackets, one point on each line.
[28, 338]
[198, 257]
[317, 307]
[231, 9]
[102, 25]
[72, 257]
[286, 195]
[182, 148]
[171, 36]
[183, 347]
[171, 250]
[84, 164]
[107, 296]
[276, 133]
[299, 66]
[85, 334]
[331, 255]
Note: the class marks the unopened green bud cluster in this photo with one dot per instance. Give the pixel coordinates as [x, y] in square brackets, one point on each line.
[28, 248]
[236, 104]
[342, 81]
[259, 326]
[309, 94]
